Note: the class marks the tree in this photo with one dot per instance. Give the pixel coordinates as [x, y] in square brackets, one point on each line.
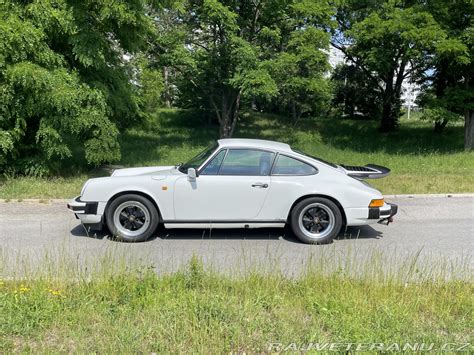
[300, 65]
[231, 50]
[151, 85]
[354, 93]
[300, 87]
[63, 79]
[390, 41]
[449, 91]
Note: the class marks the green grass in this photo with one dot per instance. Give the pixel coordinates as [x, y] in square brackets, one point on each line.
[421, 161]
[134, 310]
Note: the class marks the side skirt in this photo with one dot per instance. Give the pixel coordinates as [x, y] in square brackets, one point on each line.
[223, 224]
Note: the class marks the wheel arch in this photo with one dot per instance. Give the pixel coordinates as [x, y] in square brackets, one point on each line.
[338, 204]
[134, 192]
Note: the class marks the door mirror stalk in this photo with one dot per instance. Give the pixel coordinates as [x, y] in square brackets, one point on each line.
[192, 174]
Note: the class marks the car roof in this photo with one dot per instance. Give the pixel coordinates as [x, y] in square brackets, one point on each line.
[253, 143]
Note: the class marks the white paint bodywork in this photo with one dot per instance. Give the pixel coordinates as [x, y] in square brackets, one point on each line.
[217, 201]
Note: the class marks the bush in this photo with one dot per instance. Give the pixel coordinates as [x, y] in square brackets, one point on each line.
[62, 76]
[43, 107]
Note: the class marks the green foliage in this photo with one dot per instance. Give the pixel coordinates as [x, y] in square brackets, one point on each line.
[355, 94]
[226, 52]
[449, 93]
[441, 111]
[63, 80]
[390, 41]
[93, 37]
[439, 114]
[151, 85]
[72, 74]
[299, 71]
[393, 33]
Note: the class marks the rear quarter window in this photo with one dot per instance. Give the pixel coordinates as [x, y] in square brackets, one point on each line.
[286, 165]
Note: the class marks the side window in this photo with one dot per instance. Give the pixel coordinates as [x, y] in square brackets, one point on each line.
[212, 168]
[289, 166]
[247, 162]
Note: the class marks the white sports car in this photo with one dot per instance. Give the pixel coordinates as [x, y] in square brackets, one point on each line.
[236, 183]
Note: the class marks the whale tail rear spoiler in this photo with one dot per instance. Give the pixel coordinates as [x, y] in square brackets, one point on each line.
[369, 171]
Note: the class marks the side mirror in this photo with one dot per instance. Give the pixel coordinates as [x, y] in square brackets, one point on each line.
[192, 174]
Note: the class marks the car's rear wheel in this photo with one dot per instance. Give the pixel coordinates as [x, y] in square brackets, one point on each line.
[132, 218]
[316, 220]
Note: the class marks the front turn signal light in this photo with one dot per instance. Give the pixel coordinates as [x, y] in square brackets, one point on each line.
[376, 203]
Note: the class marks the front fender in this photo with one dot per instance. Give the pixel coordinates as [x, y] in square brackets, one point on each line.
[105, 189]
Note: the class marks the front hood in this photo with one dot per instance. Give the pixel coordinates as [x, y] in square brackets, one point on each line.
[152, 170]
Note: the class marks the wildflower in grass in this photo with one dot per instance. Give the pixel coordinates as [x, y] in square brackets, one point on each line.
[24, 289]
[55, 293]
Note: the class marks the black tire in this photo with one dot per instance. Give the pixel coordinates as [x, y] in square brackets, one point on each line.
[313, 213]
[127, 228]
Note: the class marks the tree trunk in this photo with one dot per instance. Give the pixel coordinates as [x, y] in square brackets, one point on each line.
[253, 105]
[391, 98]
[439, 126]
[351, 111]
[390, 111]
[468, 120]
[294, 114]
[469, 130]
[229, 115]
[225, 127]
[167, 95]
[389, 122]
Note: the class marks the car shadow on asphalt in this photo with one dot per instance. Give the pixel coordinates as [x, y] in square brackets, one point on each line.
[360, 232]
[285, 234]
[80, 231]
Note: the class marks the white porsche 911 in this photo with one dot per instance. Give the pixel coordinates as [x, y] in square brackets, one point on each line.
[236, 183]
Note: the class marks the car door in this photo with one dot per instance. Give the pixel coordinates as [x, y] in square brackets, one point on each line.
[291, 178]
[233, 186]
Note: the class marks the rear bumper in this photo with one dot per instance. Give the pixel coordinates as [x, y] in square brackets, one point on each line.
[90, 213]
[387, 211]
[370, 215]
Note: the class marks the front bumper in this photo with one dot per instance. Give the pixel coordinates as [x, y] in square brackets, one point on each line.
[77, 206]
[87, 212]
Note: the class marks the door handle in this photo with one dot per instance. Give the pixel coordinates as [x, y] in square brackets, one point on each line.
[260, 185]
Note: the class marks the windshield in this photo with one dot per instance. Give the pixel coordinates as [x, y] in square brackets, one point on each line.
[198, 159]
[316, 158]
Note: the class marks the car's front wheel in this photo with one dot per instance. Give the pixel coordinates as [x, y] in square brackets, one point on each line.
[132, 218]
[316, 220]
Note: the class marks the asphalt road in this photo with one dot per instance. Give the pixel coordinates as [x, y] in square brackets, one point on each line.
[438, 232]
